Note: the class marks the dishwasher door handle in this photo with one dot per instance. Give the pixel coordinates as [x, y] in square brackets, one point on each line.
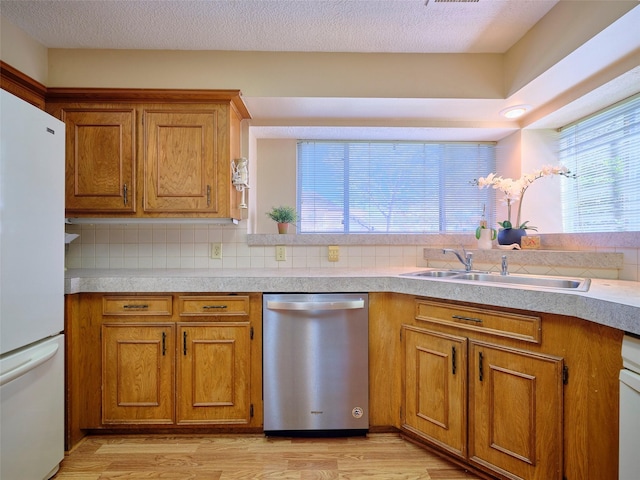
[344, 305]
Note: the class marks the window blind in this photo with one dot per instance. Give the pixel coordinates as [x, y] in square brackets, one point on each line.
[392, 187]
[604, 151]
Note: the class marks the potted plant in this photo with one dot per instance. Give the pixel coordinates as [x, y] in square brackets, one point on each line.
[514, 191]
[283, 216]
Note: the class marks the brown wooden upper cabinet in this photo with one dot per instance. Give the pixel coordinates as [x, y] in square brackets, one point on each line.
[180, 161]
[150, 153]
[100, 160]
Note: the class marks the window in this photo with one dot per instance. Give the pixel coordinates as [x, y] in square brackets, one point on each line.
[604, 151]
[392, 187]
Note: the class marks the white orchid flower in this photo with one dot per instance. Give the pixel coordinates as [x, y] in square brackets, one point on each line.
[514, 189]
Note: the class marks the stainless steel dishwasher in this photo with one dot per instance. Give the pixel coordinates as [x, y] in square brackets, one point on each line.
[316, 364]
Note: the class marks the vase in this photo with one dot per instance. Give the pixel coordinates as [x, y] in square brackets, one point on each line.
[486, 236]
[508, 236]
[283, 227]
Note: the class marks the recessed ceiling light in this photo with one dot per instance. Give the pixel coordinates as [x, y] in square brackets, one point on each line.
[516, 111]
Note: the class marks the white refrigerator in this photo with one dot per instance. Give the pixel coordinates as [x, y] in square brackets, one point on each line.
[31, 291]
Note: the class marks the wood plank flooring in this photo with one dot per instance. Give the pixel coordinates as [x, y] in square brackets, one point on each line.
[380, 456]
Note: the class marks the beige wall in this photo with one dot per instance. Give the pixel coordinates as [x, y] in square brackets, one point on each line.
[508, 165]
[22, 52]
[542, 204]
[275, 184]
[284, 74]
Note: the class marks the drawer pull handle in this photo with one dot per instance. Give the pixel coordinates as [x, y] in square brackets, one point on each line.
[207, 307]
[466, 319]
[135, 306]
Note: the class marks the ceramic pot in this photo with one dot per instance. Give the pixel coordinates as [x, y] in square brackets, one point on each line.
[486, 236]
[508, 236]
[283, 227]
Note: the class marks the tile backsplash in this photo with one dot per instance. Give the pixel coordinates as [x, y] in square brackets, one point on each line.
[187, 246]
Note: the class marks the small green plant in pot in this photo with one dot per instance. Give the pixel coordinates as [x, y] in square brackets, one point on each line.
[283, 216]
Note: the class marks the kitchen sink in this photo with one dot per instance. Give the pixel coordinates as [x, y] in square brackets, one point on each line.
[434, 273]
[539, 281]
[581, 284]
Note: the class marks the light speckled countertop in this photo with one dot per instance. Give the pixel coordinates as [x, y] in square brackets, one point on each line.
[614, 303]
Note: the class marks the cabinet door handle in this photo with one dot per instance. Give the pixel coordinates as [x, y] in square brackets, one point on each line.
[141, 306]
[184, 343]
[453, 360]
[164, 343]
[467, 319]
[207, 307]
[208, 195]
[125, 191]
[480, 366]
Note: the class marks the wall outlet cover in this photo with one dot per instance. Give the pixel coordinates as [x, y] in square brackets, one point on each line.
[281, 253]
[216, 251]
[334, 253]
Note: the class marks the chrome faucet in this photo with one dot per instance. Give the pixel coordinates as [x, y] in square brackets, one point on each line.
[467, 261]
[505, 266]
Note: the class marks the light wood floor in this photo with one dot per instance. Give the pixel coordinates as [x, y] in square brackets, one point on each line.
[222, 457]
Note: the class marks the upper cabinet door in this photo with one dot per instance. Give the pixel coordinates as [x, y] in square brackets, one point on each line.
[181, 172]
[100, 160]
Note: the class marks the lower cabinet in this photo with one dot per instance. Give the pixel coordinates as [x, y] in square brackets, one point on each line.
[435, 393]
[137, 373]
[163, 361]
[496, 407]
[210, 365]
[513, 394]
[213, 364]
[515, 412]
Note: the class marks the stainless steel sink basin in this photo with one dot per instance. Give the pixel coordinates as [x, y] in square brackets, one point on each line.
[581, 284]
[433, 273]
[576, 284]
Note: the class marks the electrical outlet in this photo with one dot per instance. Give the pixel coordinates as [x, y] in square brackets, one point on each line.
[216, 251]
[281, 253]
[334, 253]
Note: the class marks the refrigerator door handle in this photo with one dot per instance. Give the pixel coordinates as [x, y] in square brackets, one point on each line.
[29, 364]
[344, 305]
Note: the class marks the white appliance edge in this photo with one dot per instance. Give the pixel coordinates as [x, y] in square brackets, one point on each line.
[31, 290]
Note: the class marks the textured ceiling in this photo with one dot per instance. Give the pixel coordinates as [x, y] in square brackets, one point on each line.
[390, 26]
[437, 26]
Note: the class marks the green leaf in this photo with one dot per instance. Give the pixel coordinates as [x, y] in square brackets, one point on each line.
[524, 226]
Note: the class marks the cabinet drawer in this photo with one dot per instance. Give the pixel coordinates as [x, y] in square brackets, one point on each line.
[213, 306]
[503, 324]
[137, 305]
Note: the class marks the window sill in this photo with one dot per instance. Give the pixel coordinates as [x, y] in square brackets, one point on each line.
[552, 241]
[433, 239]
